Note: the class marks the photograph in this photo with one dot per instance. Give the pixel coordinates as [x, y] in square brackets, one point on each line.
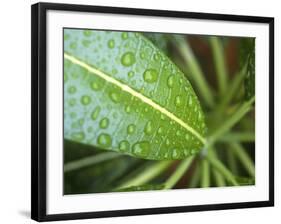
[148, 111]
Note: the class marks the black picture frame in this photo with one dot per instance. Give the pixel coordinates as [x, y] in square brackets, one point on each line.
[39, 122]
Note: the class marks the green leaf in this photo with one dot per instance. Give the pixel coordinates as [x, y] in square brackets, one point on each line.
[146, 187]
[245, 180]
[122, 94]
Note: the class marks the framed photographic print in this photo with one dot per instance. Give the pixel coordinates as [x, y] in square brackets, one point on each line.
[138, 111]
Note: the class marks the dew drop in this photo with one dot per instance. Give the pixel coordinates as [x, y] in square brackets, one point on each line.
[131, 129]
[131, 74]
[95, 86]
[87, 33]
[111, 43]
[141, 149]
[156, 57]
[128, 109]
[148, 128]
[95, 113]
[176, 153]
[124, 146]
[170, 81]
[104, 140]
[78, 136]
[167, 141]
[150, 75]
[104, 123]
[162, 117]
[190, 101]
[124, 35]
[72, 89]
[178, 101]
[200, 116]
[85, 100]
[114, 97]
[178, 133]
[160, 130]
[128, 59]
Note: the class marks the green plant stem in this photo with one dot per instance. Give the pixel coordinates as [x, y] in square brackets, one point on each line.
[148, 174]
[180, 171]
[237, 137]
[232, 90]
[229, 123]
[217, 175]
[218, 165]
[232, 162]
[244, 158]
[205, 179]
[196, 73]
[89, 161]
[195, 178]
[218, 178]
[220, 64]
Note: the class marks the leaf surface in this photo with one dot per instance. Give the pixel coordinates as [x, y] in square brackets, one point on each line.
[122, 94]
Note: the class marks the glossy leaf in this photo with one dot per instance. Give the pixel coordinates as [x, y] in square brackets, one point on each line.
[122, 94]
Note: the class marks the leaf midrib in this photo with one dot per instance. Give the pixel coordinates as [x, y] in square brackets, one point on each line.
[134, 93]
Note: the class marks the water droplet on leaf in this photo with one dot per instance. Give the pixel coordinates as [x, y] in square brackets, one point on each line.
[104, 122]
[148, 128]
[131, 128]
[104, 140]
[128, 59]
[141, 149]
[130, 74]
[170, 81]
[124, 146]
[178, 101]
[72, 89]
[111, 43]
[95, 113]
[150, 75]
[85, 100]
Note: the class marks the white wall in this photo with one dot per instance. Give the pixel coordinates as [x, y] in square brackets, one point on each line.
[15, 110]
